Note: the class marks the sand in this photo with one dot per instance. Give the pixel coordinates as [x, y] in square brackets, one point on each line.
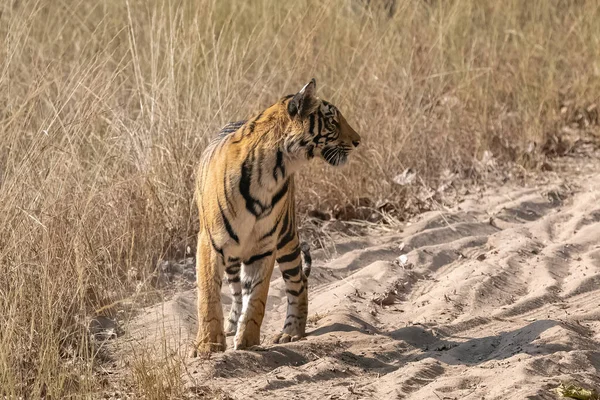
[496, 298]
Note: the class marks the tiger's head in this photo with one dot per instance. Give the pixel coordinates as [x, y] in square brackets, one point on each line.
[319, 128]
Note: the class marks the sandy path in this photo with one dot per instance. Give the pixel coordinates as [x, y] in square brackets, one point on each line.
[500, 299]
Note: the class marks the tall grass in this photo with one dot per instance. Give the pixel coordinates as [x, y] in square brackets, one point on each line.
[105, 108]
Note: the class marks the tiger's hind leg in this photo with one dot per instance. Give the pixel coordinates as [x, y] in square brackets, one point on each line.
[233, 279]
[296, 288]
[256, 277]
[209, 265]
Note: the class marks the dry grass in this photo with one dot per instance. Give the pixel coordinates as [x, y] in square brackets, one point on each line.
[105, 108]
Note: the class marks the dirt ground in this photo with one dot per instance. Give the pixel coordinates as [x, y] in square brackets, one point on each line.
[496, 298]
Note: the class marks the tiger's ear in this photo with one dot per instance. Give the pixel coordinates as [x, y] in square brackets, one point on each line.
[305, 101]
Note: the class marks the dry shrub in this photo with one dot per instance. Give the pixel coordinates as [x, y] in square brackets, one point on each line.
[105, 108]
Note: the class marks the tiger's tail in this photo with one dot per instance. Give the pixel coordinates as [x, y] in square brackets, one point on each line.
[306, 258]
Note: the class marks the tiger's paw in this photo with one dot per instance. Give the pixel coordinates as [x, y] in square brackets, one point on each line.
[247, 336]
[205, 349]
[246, 344]
[246, 341]
[283, 337]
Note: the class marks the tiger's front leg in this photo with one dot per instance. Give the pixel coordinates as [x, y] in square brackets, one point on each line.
[256, 278]
[209, 271]
[296, 289]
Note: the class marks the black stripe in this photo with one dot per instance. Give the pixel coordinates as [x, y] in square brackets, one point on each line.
[239, 125]
[310, 151]
[294, 292]
[230, 128]
[252, 124]
[250, 285]
[311, 120]
[290, 145]
[279, 195]
[287, 324]
[286, 221]
[228, 227]
[225, 187]
[245, 181]
[233, 269]
[235, 279]
[249, 128]
[273, 230]
[214, 245]
[270, 118]
[257, 257]
[289, 257]
[319, 124]
[254, 287]
[286, 239]
[287, 274]
[279, 165]
[236, 259]
[318, 135]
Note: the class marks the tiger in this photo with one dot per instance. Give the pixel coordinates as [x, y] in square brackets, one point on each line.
[245, 196]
